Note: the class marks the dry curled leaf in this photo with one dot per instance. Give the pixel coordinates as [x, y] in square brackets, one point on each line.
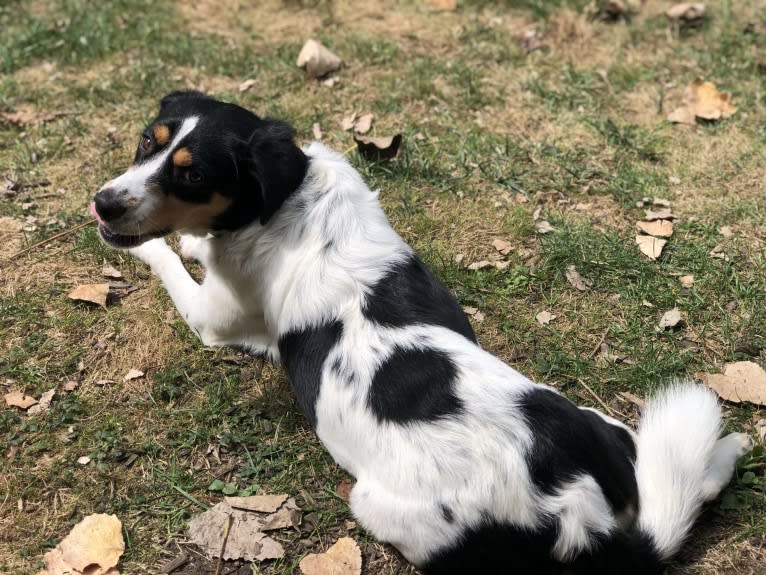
[246, 85]
[363, 124]
[343, 558]
[543, 227]
[259, 503]
[317, 60]
[93, 547]
[702, 100]
[19, 399]
[383, 148]
[686, 12]
[545, 317]
[502, 246]
[133, 374]
[740, 381]
[348, 122]
[650, 246]
[247, 539]
[661, 214]
[110, 272]
[93, 293]
[725, 231]
[657, 228]
[44, 404]
[26, 114]
[444, 5]
[670, 319]
[686, 281]
[576, 280]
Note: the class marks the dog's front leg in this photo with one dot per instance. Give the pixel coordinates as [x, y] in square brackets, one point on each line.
[187, 295]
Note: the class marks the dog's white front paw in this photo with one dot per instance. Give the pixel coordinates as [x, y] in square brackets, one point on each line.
[151, 252]
[192, 247]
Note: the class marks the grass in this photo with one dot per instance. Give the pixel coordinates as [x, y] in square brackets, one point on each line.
[492, 134]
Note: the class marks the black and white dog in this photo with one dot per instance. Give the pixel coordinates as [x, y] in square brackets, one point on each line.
[462, 463]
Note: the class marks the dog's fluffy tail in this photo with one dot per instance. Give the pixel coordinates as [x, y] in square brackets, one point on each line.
[676, 439]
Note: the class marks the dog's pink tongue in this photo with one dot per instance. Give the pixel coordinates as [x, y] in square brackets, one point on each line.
[94, 213]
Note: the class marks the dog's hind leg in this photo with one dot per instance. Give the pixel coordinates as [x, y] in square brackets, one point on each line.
[723, 461]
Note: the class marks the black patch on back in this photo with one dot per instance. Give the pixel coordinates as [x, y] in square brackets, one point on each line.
[568, 441]
[503, 549]
[303, 354]
[410, 294]
[414, 385]
[446, 511]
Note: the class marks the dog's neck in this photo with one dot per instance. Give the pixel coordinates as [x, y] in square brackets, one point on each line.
[318, 255]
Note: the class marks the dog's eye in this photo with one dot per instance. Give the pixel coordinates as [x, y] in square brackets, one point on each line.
[146, 143]
[194, 176]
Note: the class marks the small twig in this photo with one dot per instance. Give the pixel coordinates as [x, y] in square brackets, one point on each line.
[593, 353]
[219, 565]
[612, 412]
[182, 559]
[50, 239]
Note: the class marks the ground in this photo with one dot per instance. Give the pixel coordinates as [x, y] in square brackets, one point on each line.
[493, 131]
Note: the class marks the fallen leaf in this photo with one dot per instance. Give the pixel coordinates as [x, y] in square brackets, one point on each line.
[246, 85]
[686, 281]
[383, 148]
[670, 319]
[71, 385]
[702, 100]
[529, 40]
[343, 558]
[478, 317]
[725, 231]
[246, 538]
[470, 310]
[20, 400]
[740, 381]
[650, 246]
[348, 122]
[93, 293]
[343, 489]
[717, 252]
[658, 228]
[44, 404]
[316, 129]
[317, 60]
[545, 317]
[27, 114]
[133, 374]
[444, 5]
[576, 280]
[633, 398]
[686, 12]
[661, 214]
[93, 546]
[110, 272]
[363, 124]
[502, 246]
[543, 227]
[83, 460]
[259, 503]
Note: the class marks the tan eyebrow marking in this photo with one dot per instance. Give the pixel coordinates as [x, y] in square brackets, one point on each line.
[182, 158]
[161, 134]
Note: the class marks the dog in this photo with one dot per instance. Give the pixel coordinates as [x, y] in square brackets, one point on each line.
[461, 463]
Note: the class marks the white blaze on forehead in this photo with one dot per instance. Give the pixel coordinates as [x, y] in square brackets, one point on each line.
[134, 180]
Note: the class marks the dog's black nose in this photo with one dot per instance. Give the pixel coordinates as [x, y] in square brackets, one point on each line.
[108, 205]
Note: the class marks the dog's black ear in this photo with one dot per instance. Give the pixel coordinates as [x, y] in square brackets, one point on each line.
[277, 163]
[179, 95]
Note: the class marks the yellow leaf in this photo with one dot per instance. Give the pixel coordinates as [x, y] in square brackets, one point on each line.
[19, 399]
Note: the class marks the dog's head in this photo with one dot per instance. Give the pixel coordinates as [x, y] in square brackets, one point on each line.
[201, 166]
